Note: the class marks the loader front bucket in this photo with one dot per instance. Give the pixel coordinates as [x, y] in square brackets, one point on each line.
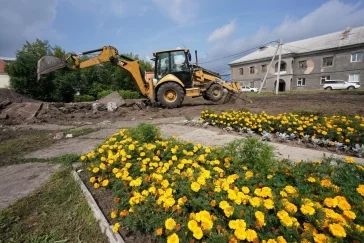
[49, 64]
[237, 98]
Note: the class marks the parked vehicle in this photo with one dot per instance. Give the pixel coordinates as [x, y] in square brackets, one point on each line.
[340, 84]
[249, 89]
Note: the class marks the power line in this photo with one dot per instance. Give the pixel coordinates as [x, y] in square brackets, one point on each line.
[239, 53]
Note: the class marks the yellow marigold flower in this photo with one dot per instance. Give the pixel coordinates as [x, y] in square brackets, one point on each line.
[142, 154]
[290, 189]
[159, 231]
[305, 209]
[260, 217]
[311, 179]
[173, 238]
[337, 230]
[245, 189]
[92, 179]
[280, 239]
[249, 174]
[96, 185]
[240, 234]
[224, 204]
[320, 238]
[349, 214]
[268, 203]
[330, 202]
[114, 214]
[116, 227]
[207, 224]
[360, 189]
[269, 177]
[251, 235]
[283, 193]
[105, 182]
[95, 170]
[195, 186]
[342, 203]
[228, 211]
[197, 233]
[349, 160]
[170, 224]
[192, 225]
[347, 140]
[255, 201]
[326, 182]
[100, 150]
[131, 147]
[83, 157]
[269, 241]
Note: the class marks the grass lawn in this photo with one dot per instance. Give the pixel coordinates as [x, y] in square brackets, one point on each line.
[57, 212]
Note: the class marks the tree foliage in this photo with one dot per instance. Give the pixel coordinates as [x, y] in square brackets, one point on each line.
[63, 84]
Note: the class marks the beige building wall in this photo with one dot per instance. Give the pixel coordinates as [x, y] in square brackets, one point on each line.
[4, 80]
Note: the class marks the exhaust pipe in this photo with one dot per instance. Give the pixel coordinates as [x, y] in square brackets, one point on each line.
[196, 58]
[49, 64]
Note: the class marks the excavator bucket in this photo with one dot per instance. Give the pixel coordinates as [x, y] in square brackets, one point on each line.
[49, 64]
[236, 98]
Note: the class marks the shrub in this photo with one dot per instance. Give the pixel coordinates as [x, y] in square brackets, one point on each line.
[128, 94]
[251, 152]
[144, 133]
[83, 98]
[104, 93]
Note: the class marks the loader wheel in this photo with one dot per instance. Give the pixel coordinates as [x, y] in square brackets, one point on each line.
[170, 95]
[215, 92]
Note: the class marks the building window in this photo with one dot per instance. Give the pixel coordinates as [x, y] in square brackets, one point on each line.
[354, 77]
[283, 66]
[252, 70]
[264, 68]
[302, 64]
[357, 57]
[323, 79]
[327, 61]
[301, 82]
[241, 70]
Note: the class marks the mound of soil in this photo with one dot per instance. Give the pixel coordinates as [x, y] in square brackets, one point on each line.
[13, 97]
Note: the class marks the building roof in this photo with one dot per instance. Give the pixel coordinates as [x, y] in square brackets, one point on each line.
[319, 43]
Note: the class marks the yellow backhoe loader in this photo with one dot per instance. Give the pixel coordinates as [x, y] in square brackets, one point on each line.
[174, 76]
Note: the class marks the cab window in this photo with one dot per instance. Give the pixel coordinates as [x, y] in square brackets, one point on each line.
[163, 65]
[179, 61]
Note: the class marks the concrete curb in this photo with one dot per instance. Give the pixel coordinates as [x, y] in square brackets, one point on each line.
[99, 216]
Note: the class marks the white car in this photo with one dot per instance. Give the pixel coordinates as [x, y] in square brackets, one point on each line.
[248, 89]
[340, 84]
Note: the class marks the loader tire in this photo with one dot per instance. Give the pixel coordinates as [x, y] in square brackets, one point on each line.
[170, 95]
[215, 92]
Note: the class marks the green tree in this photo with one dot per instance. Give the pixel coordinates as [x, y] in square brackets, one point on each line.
[23, 74]
[63, 84]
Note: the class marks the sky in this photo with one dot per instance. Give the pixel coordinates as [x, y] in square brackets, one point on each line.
[216, 28]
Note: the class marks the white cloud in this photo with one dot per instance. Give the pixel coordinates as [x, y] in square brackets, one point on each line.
[330, 17]
[222, 32]
[22, 21]
[180, 11]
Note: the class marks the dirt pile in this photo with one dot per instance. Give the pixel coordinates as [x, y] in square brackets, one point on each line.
[13, 97]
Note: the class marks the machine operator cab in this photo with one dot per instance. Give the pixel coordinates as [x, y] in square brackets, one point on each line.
[175, 62]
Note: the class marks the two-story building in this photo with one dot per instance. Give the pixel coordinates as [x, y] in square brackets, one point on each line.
[306, 64]
[4, 77]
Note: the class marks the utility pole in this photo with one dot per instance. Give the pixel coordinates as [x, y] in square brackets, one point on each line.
[279, 64]
[269, 67]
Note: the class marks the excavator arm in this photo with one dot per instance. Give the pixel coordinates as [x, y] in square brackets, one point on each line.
[107, 54]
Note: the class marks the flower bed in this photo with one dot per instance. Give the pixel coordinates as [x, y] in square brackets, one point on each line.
[181, 192]
[343, 132]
